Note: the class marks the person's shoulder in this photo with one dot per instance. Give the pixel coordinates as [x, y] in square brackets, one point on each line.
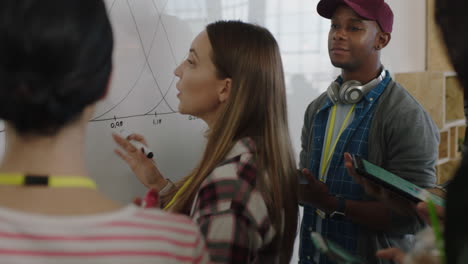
[157, 220]
[160, 216]
[398, 101]
[235, 182]
[170, 237]
[397, 94]
[313, 108]
[240, 156]
[238, 168]
[316, 103]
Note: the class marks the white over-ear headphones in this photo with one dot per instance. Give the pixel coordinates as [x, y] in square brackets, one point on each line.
[351, 92]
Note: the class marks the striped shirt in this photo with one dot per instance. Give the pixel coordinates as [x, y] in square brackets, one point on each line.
[130, 235]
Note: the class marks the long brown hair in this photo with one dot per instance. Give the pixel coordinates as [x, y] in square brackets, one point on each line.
[256, 108]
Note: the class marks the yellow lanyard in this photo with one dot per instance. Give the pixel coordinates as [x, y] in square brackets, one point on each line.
[328, 153]
[50, 181]
[178, 193]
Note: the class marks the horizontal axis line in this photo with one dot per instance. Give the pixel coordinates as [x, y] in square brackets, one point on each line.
[125, 117]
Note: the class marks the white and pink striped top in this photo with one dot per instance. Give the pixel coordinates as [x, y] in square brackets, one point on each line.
[130, 235]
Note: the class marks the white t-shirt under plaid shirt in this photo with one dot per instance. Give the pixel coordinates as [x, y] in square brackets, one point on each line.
[129, 235]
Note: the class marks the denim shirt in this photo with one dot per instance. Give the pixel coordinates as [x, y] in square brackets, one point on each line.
[352, 140]
[402, 139]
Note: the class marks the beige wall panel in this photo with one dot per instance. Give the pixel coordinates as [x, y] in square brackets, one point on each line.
[427, 88]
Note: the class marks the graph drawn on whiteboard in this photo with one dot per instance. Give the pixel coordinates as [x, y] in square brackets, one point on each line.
[151, 38]
[149, 44]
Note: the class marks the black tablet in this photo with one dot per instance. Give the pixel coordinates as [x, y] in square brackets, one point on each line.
[396, 184]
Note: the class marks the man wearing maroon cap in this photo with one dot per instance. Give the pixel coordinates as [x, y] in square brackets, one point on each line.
[364, 112]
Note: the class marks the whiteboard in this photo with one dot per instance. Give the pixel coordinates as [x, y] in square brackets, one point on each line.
[153, 36]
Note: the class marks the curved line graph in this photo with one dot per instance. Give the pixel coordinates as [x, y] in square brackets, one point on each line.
[142, 69]
[159, 28]
[146, 64]
[147, 55]
[162, 93]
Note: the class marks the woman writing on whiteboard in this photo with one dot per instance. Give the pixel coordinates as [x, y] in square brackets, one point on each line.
[243, 191]
[56, 61]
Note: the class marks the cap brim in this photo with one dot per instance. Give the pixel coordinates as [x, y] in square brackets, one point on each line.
[326, 8]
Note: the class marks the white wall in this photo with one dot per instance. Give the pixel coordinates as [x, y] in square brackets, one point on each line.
[407, 49]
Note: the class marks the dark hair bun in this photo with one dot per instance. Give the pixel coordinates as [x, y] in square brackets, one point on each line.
[55, 59]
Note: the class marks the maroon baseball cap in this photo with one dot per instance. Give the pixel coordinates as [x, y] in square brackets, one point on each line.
[376, 10]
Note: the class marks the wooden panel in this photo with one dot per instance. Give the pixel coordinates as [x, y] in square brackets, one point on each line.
[454, 99]
[453, 142]
[437, 59]
[444, 146]
[461, 139]
[428, 89]
[446, 171]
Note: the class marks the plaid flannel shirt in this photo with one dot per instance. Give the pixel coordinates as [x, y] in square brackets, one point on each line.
[353, 140]
[231, 211]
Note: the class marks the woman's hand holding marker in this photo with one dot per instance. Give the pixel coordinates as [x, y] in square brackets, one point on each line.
[144, 168]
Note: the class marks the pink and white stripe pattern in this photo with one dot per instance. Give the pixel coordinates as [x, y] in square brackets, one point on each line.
[131, 235]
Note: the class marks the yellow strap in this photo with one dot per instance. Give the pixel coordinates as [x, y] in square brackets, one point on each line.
[11, 179]
[328, 153]
[71, 181]
[328, 141]
[178, 194]
[54, 181]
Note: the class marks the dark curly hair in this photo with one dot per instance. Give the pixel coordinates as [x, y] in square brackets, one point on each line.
[55, 59]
